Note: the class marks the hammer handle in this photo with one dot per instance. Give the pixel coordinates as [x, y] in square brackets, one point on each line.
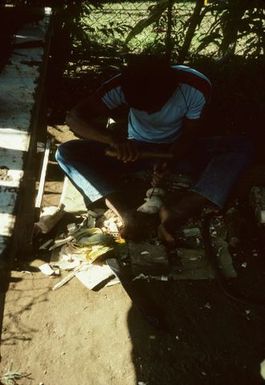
[144, 154]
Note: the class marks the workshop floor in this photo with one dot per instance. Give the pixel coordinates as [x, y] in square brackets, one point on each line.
[76, 336]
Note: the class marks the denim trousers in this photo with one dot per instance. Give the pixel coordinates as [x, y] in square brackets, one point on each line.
[214, 163]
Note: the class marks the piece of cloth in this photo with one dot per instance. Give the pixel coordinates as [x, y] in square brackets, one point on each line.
[214, 165]
[164, 126]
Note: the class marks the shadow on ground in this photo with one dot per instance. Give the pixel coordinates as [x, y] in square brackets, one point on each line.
[209, 339]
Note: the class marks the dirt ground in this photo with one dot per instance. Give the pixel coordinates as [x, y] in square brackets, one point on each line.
[81, 337]
[68, 336]
[76, 336]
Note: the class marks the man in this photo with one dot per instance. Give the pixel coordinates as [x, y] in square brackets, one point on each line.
[163, 104]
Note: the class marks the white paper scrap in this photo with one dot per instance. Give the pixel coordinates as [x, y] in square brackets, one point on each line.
[93, 275]
[46, 269]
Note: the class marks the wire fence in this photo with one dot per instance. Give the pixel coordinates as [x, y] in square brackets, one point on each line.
[108, 26]
[112, 30]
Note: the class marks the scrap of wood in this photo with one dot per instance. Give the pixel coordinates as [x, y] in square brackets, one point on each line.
[68, 277]
[43, 174]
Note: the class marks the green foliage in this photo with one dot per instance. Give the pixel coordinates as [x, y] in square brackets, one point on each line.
[237, 27]
[155, 13]
[189, 29]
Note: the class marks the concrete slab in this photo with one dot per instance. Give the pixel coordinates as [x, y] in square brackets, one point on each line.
[19, 82]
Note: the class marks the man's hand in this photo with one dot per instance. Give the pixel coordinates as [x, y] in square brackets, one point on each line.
[127, 150]
[160, 171]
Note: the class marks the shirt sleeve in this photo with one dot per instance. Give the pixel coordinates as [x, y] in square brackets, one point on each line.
[111, 94]
[195, 105]
[113, 98]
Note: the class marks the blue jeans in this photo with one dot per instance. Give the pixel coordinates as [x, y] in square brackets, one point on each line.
[214, 163]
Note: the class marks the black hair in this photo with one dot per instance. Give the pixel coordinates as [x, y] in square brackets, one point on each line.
[148, 83]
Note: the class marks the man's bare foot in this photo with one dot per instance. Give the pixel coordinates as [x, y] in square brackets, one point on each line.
[176, 215]
[115, 206]
[133, 227]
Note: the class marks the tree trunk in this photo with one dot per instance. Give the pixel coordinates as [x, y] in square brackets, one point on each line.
[230, 24]
[193, 23]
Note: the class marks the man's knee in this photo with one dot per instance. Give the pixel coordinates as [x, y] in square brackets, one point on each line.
[67, 151]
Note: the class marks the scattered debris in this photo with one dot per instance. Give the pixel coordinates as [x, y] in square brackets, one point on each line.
[72, 227]
[61, 242]
[87, 245]
[80, 248]
[68, 277]
[49, 217]
[149, 277]
[191, 232]
[47, 269]
[219, 232]
[148, 259]
[82, 244]
[45, 245]
[92, 275]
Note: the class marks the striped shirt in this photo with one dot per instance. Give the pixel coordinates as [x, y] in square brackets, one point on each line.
[193, 90]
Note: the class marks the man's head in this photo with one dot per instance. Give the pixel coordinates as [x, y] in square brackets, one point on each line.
[148, 83]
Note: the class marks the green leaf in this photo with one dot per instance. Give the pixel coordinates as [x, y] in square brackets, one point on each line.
[154, 15]
[213, 38]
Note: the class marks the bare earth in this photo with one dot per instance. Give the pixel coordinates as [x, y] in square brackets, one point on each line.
[68, 336]
[73, 336]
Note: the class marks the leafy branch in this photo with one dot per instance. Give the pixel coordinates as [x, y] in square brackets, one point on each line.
[154, 14]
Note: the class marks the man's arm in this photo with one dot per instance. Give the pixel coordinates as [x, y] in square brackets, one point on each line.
[89, 119]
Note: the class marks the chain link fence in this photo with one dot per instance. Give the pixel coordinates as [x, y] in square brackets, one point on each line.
[153, 27]
[108, 24]
[110, 31]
